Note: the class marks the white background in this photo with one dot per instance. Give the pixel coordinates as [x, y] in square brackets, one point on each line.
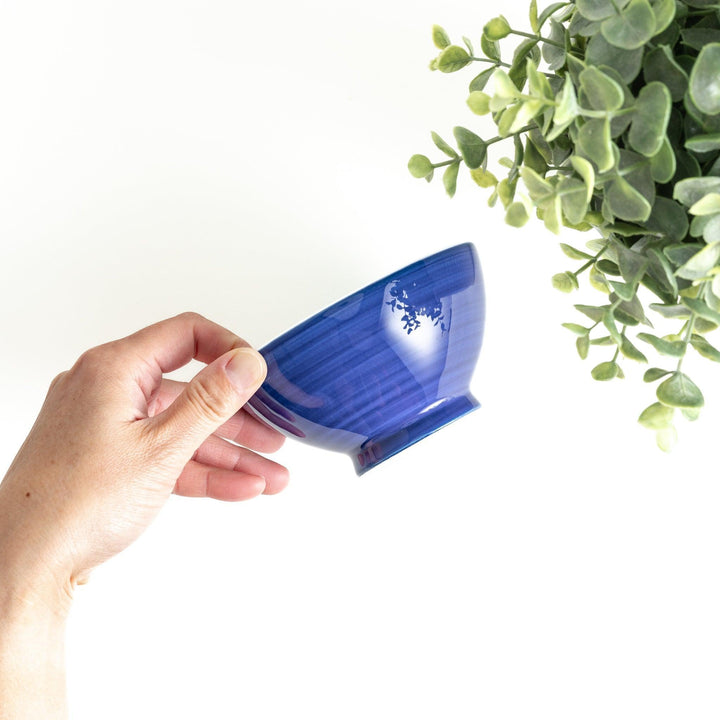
[539, 558]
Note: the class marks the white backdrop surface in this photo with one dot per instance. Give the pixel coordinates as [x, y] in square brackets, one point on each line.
[538, 558]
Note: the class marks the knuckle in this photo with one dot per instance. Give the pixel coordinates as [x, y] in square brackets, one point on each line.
[190, 316]
[208, 399]
[96, 362]
[57, 379]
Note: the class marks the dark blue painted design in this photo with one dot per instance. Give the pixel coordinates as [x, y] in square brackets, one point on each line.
[385, 367]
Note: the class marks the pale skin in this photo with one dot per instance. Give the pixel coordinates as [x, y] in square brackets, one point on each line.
[113, 441]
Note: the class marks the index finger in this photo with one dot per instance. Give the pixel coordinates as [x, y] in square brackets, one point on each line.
[172, 343]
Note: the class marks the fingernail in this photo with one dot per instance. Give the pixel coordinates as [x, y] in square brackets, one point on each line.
[246, 368]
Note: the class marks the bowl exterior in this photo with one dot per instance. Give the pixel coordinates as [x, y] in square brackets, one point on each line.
[383, 368]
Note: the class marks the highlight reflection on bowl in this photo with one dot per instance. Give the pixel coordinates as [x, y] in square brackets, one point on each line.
[383, 368]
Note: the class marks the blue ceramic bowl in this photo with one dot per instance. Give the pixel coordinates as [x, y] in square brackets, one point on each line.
[385, 367]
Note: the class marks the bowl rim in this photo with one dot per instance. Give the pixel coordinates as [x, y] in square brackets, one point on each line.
[309, 321]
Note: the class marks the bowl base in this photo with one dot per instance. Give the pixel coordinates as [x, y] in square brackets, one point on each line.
[374, 451]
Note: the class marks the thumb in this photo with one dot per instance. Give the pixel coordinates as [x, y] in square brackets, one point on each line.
[211, 398]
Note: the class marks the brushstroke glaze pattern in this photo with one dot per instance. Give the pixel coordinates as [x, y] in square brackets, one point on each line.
[383, 368]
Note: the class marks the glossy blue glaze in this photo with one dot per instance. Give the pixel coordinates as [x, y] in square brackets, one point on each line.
[383, 368]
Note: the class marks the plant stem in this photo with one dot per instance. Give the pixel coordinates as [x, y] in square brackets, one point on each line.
[447, 162]
[498, 138]
[686, 339]
[539, 38]
[591, 261]
[496, 63]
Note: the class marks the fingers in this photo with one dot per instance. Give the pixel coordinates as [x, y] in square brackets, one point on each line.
[241, 428]
[244, 429]
[172, 343]
[235, 474]
[209, 400]
[217, 453]
[199, 480]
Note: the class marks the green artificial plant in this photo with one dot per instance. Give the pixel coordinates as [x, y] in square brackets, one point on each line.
[611, 109]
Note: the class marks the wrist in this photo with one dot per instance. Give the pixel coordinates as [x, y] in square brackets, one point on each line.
[31, 578]
[34, 605]
[32, 649]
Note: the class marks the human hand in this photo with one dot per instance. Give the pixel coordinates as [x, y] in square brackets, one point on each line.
[114, 439]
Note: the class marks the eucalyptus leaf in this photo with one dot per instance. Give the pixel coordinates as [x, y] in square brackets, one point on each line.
[576, 329]
[594, 143]
[632, 27]
[664, 347]
[491, 48]
[573, 198]
[605, 371]
[443, 146]
[623, 290]
[704, 143]
[496, 29]
[663, 163]
[660, 65]
[680, 391]
[600, 9]
[533, 16]
[711, 232]
[705, 348]
[625, 201]
[580, 25]
[661, 271]
[481, 80]
[602, 92]
[548, 12]
[585, 170]
[565, 282]
[552, 218]
[629, 311]
[554, 55]
[567, 107]
[596, 314]
[707, 205]
[582, 345]
[479, 102]
[690, 190]
[440, 37]
[484, 178]
[450, 177]
[653, 374]
[656, 416]
[472, 147]
[701, 309]
[666, 438]
[632, 264]
[670, 311]
[608, 320]
[574, 253]
[705, 80]
[540, 189]
[420, 166]
[698, 37]
[680, 253]
[453, 58]
[664, 12]
[516, 214]
[668, 218]
[650, 120]
[601, 53]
